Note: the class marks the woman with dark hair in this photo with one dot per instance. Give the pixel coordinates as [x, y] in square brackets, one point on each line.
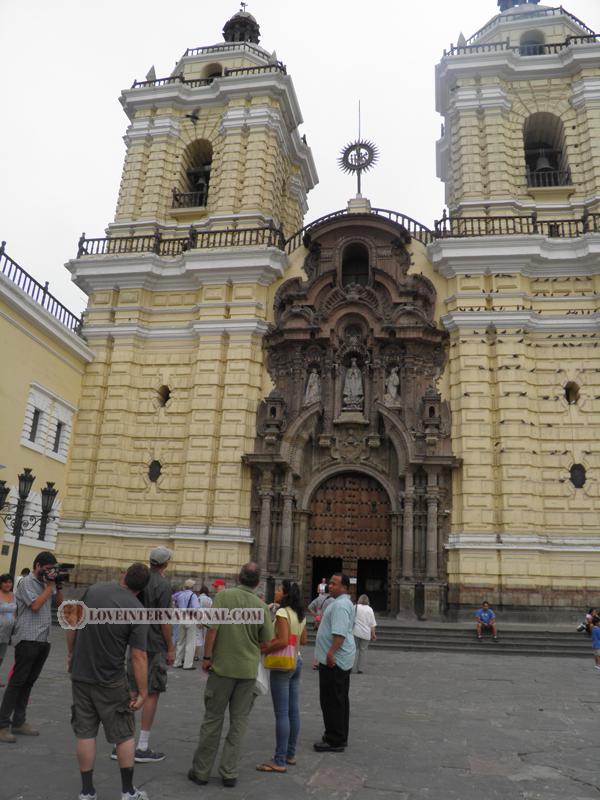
[8, 611]
[290, 628]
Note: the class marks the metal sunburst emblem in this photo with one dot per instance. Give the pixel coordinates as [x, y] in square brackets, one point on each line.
[358, 157]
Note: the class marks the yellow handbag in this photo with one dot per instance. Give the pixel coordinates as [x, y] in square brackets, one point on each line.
[285, 657]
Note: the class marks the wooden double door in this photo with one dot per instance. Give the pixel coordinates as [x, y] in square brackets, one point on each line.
[350, 529]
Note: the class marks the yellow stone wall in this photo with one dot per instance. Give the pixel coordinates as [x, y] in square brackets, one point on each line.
[36, 349]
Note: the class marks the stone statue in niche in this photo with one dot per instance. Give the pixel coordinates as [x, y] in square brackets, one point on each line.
[353, 388]
[392, 385]
[312, 393]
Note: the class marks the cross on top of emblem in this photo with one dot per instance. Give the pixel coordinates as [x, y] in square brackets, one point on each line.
[243, 6]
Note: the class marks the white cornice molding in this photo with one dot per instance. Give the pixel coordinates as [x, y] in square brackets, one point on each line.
[572, 205]
[472, 98]
[187, 271]
[150, 127]
[43, 320]
[529, 321]
[586, 93]
[190, 331]
[124, 529]
[531, 255]
[550, 542]
[508, 65]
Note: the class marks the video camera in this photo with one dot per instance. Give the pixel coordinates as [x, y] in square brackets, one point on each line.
[59, 573]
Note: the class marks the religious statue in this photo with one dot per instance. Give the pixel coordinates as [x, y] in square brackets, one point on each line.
[391, 388]
[353, 388]
[313, 388]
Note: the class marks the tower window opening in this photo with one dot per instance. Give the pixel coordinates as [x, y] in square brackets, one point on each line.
[572, 393]
[545, 156]
[578, 476]
[164, 395]
[355, 265]
[532, 44]
[213, 71]
[154, 471]
[195, 178]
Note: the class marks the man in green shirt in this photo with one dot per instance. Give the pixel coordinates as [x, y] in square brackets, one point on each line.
[231, 655]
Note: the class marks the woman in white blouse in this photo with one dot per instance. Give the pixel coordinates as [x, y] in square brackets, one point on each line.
[364, 630]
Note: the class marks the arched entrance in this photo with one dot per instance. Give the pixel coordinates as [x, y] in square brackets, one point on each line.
[349, 529]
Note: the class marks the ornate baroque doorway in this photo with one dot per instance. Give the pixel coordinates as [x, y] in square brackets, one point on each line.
[350, 520]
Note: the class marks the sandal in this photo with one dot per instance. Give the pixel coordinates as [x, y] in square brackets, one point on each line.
[290, 760]
[269, 767]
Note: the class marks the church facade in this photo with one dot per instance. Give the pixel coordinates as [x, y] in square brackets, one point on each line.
[416, 405]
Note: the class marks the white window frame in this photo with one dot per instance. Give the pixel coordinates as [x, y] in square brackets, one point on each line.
[53, 409]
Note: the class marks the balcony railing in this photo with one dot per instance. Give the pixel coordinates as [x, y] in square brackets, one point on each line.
[540, 12]
[39, 293]
[460, 227]
[549, 177]
[226, 47]
[195, 240]
[188, 199]
[234, 72]
[527, 50]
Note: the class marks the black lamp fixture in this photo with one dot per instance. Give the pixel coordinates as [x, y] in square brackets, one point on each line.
[26, 480]
[48, 497]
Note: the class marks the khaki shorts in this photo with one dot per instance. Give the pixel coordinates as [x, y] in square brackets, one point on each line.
[109, 705]
[157, 673]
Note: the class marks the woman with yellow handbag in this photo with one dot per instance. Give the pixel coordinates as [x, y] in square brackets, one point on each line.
[283, 659]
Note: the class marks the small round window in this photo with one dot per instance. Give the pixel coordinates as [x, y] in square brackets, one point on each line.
[154, 471]
[578, 476]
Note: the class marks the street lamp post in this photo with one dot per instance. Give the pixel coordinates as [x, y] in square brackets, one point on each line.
[15, 514]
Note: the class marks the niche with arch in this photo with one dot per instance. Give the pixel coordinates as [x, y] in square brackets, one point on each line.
[572, 393]
[196, 162]
[212, 71]
[532, 43]
[545, 152]
[355, 264]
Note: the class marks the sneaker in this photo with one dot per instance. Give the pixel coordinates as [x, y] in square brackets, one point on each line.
[6, 736]
[597, 666]
[83, 796]
[147, 757]
[113, 755]
[25, 730]
[580, 628]
[138, 794]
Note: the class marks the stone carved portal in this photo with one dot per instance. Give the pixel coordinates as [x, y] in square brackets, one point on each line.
[369, 424]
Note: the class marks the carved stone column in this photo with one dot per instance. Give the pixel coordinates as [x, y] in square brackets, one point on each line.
[394, 571]
[432, 526]
[303, 520]
[264, 530]
[408, 539]
[285, 556]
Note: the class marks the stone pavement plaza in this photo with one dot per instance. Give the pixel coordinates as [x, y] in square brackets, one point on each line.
[423, 725]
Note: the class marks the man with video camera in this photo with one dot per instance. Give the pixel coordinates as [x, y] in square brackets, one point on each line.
[34, 596]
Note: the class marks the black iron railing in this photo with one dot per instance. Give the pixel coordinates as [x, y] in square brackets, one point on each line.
[188, 199]
[226, 47]
[540, 12]
[414, 228]
[194, 83]
[38, 292]
[523, 49]
[459, 227]
[163, 246]
[549, 177]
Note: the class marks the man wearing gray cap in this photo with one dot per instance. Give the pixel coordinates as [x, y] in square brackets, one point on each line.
[160, 650]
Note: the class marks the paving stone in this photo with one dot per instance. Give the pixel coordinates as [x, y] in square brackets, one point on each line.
[423, 727]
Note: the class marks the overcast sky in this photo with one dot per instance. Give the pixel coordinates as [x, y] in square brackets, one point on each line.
[63, 64]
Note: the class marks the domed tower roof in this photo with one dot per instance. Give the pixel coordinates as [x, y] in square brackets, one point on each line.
[506, 4]
[242, 27]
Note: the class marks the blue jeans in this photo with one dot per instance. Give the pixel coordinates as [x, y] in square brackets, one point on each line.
[285, 691]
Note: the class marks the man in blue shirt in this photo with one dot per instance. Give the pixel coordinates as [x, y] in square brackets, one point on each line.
[486, 619]
[335, 651]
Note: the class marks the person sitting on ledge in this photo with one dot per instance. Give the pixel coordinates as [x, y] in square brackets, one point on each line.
[486, 620]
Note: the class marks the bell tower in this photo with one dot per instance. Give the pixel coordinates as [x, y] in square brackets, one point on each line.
[181, 291]
[215, 143]
[521, 106]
